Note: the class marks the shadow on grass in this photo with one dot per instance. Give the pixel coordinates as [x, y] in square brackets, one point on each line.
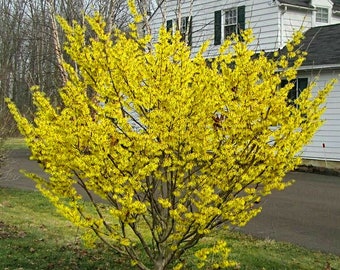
[22, 250]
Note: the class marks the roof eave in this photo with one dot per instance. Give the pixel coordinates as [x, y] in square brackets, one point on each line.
[327, 66]
[296, 6]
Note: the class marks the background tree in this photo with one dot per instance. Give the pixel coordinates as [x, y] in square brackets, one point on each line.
[31, 44]
[3, 135]
[174, 146]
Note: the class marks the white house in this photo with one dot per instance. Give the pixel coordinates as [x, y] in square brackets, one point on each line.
[273, 22]
[322, 64]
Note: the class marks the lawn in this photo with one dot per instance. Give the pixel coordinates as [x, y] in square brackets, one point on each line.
[15, 143]
[34, 236]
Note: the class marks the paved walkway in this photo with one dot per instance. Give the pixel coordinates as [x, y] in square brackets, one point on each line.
[306, 213]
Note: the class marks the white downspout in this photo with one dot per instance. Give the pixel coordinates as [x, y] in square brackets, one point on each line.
[282, 13]
[285, 6]
[314, 18]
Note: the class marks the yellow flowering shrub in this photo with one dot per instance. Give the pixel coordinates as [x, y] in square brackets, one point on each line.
[175, 145]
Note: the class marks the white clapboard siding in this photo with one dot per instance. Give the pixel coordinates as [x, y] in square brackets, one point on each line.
[272, 24]
[263, 17]
[329, 133]
[294, 20]
[335, 19]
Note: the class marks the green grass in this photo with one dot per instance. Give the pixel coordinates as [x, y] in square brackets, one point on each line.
[34, 236]
[15, 143]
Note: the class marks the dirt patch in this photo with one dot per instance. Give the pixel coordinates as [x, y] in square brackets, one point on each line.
[10, 231]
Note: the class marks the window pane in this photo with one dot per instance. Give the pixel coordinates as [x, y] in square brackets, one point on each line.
[299, 85]
[228, 30]
[230, 22]
[322, 15]
[183, 28]
[292, 94]
[302, 84]
[230, 16]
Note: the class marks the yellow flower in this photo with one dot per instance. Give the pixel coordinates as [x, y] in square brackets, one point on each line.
[174, 146]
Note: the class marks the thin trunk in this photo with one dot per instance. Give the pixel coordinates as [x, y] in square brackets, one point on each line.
[162, 261]
[56, 44]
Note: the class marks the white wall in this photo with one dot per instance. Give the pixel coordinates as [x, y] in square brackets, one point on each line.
[264, 20]
[293, 20]
[329, 133]
[263, 17]
[335, 19]
[272, 25]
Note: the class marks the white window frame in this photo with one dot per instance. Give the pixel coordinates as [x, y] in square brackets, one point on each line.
[322, 15]
[183, 26]
[230, 21]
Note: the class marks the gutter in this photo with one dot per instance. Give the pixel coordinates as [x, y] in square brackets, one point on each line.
[295, 6]
[311, 67]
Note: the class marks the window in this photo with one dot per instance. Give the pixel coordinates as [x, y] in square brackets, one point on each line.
[227, 22]
[184, 26]
[299, 85]
[321, 15]
[230, 22]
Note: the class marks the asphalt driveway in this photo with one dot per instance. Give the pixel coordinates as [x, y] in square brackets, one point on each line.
[306, 213]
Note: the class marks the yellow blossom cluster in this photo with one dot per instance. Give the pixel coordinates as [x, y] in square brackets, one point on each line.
[175, 145]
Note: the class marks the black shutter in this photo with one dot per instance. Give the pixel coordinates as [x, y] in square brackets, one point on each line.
[169, 25]
[302, 84]
[218, 27]
[241, 17]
